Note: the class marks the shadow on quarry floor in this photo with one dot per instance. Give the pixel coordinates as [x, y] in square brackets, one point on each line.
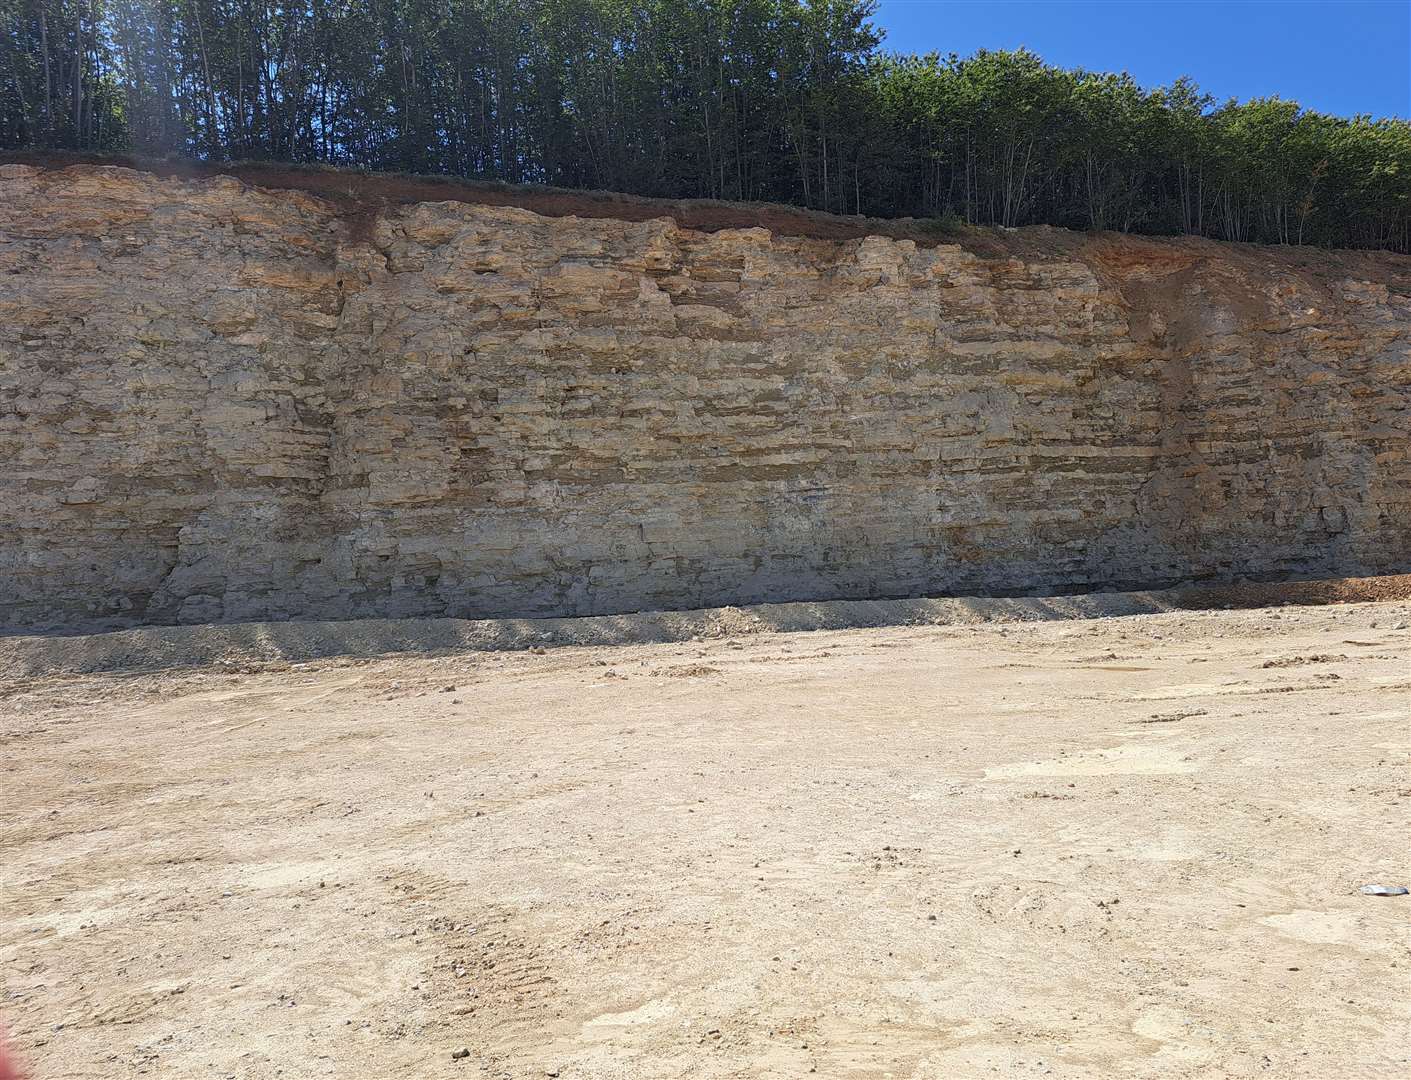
[157, 647]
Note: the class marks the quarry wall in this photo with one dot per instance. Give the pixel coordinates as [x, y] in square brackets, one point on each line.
[219, 401]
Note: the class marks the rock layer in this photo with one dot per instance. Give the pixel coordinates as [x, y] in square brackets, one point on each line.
[225, 402]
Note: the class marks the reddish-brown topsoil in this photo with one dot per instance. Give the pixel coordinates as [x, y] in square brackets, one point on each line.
[360, 190]
[360, 196]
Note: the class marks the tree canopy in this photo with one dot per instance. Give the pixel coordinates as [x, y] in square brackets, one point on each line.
[788, 101]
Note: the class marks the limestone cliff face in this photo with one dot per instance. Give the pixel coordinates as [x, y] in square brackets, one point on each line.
[224, 402]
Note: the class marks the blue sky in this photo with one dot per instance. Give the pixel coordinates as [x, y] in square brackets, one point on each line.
[1336, 56]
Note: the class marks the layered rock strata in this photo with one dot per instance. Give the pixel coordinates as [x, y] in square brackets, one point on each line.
[225, 402]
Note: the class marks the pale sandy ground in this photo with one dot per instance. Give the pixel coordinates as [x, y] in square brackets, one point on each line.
[1095, 848]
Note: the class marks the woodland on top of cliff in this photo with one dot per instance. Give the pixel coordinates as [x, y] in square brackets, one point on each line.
[788, 101]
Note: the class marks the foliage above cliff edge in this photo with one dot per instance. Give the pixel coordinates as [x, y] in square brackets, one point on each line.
[779, 100]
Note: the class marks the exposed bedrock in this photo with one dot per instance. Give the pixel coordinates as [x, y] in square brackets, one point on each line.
[226, 402]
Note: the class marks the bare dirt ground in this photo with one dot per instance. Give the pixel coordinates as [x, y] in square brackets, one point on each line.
[1073, 848]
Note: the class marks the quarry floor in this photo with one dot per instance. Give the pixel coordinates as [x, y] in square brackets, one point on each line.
[1075, 848]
